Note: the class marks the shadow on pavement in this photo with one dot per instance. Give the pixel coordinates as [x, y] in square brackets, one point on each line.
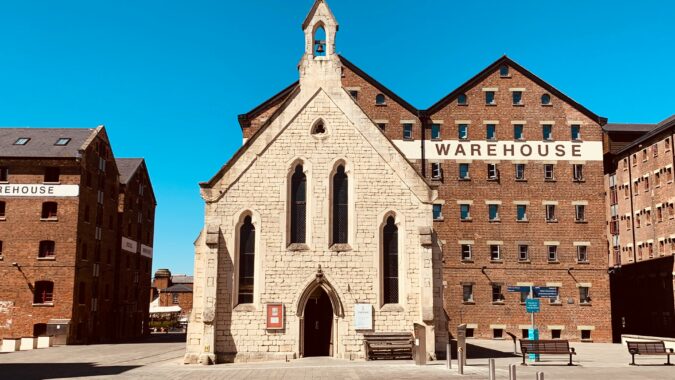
[477, 352]
[39, 371]
[172, 337]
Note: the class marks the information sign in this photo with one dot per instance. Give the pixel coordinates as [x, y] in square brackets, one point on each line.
[275, 316]
[363, 316]
[532, 305]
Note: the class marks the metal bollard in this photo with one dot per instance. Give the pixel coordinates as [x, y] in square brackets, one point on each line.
[460, 361]
[448, 356]
[512, 371]
[540, 376]
[491, 367]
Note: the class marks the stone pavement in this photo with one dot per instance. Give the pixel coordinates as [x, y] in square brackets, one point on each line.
[160, 357]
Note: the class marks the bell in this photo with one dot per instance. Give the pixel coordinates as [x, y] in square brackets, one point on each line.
[320, 48]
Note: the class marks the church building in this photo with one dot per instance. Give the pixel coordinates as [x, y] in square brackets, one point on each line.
[349, 211]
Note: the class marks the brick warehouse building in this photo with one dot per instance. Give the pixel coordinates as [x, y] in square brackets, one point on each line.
[641, 213]
[63, 252]
[511, 191]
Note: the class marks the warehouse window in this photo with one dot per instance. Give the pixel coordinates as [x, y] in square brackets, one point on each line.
[407, 131]
[174, 298]
[503, 71]
[43, 293]
[584, 295]
[466, 252]
[579, 213]
[298, 205]
[497, 295]
[517, 97]
[490, 132]
[492, 172]
[46, 249]
[582, 253]
[436, 172]
[546, 100]
[464, 171]
[493, 212]
[462, 131]
[246, 261]
[576, 132]
[390, 261]
[435, 131]
[462, 100]
[437, 212]
[49, 210]
[465, 212]
[495, 252]
[520, 172]
[518, 132]
[4, 174]
[552, 253]
[467, 293]
[523, 252]
[547, 132]
[52, 175]
[490, 98]
[521, 213]
[380, 99]
[578, 172]
[548, 172]
[3, 209]
[550, 213]
[340, 206]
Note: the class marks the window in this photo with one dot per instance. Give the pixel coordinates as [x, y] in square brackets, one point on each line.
[467, 293]
[585, 334]
[462, 131]
[380, 99]
[340, 206]
[490, 98]
[407, 131]
[298, 205]
[523, 297]
[469, 332]
[354, 94]
[582, 253]
[495, 252]
[318, 128]
[579, 213]
[82, 293]
[49, 210]
[437, 212]
[669, 175]
[667, 144]
[497, 295]
[246, 261]
[548, 172]
[546, 100]
[462, 100]
[646, 181]
[463, 171]
[46, 249]
[584, 296]
[547, 132]
[63, 141]
[557, 299]
[436, 172]
[497, 333]
[552, 253]
[0, 248]
[492, 172]
[382, 126]
[550, 213]
[578, 172]
[465, 212]
[517, 97]
[503, 71]
[319, 47]
[390, 261]
[4, 174]
[555, 333]
[521, 213]
[435, 131]
[466, 252]
[520, 172]
[52, 175]
[3, 209]
[490, 132]
[493, 212]
[174, 298]
[518, 132]
[43, 292]
[645, 157]
[22, 141]
[576, 132]
[657, 179]
[523, 252]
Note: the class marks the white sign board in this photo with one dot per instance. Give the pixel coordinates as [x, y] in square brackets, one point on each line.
[146, 251]
[503, 150]
[38, 190]
[129, 245]
[363, 316]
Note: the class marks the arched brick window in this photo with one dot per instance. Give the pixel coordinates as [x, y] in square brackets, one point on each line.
[298, 205]
[246, 261]
[390, 261]
[340, 206]
[44, 292]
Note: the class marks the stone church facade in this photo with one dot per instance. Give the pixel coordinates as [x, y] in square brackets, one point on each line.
[349, 211]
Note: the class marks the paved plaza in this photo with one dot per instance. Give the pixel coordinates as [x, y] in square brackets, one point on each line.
[160, 357]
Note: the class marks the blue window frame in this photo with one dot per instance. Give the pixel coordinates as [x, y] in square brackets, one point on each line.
[463, 131]
[491, 132]
[517, 131]
[464, 171]
[521, 212]
[437, 212]
[465, 212]
[407, 131]
[493, 212]
[517, 97]
[462, 100]
[435, 131]
[547, 131]
[490, 97]
[576, 132]
[546, 99]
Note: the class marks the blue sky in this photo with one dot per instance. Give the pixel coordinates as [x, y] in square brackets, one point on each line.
[168, 78]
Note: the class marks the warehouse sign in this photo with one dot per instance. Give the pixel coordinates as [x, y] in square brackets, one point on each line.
[503, 150]
[38, 190]
[129, 245]
[146, 251]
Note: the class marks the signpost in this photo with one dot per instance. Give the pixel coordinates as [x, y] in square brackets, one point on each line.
[533, 305]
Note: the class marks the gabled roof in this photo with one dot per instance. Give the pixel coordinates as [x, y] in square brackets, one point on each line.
[245, 119]
[42, 142]
[508, 61]
[178, 288]
[660, 127]
[390, 94]
[127, 167]
[310, 15]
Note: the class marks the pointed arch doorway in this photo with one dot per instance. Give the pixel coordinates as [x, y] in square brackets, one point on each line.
[318, 325]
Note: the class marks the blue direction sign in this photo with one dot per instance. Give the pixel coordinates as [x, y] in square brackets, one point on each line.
[519, 289]
[532, 305]
[545, 292]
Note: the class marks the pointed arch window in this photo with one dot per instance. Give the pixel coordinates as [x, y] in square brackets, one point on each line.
[298, 205]
[246, 261]
[390, 261]
[340, 206]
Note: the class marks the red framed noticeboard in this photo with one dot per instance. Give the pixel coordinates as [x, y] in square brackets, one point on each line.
[275, 316]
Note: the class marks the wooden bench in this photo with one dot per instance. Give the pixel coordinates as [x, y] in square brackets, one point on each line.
[649, 348]
[392, 345]
[546, 347]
